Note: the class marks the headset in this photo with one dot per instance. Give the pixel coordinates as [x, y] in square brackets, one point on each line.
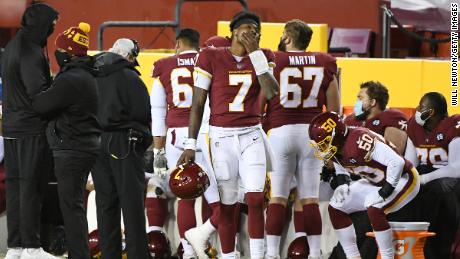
[135, 51]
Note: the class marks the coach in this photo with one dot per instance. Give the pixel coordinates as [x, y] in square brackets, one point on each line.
[124, 113]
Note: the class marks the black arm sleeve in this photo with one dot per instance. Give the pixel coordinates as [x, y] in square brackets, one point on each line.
[59, 96]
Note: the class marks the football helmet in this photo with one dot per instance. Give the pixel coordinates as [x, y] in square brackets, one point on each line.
[327, 133]
[159, 246]
[188, 181]
[93, 240]
[298, 249]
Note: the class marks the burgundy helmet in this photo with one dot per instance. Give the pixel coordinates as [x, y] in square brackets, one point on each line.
[298, 249]
[327, 133]
[93, 240]
[188, 181]
[159, 246]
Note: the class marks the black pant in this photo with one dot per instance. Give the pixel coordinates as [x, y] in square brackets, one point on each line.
[120, 186]
[72, 169]
[28, 164]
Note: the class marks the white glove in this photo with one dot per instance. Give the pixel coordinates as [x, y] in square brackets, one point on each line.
[160, 163]
[340, 194]
[372, 199]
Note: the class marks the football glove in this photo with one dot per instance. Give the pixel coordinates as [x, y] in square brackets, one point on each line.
[160, 163]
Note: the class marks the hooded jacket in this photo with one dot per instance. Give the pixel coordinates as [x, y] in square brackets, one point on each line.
[25, 72]
[71, 104]
[124, 101]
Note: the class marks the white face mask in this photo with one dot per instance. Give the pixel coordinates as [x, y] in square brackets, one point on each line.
[418, 117]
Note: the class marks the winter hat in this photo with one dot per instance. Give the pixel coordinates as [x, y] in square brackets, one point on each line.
[74, 40]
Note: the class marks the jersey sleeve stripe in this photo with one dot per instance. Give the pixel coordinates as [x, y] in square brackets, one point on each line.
[203, 72]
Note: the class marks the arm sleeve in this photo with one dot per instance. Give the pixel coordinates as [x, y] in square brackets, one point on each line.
[411, 153]
[36, 74]
[202, 74]
[452, 169]
[59, 96]
[271, 61]
[385, 155]
[159, 109]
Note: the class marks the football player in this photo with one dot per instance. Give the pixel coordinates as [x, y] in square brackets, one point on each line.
[235, 78]
[307, 83]
[171, 100]
[371, 112]
[434, 148]
[388, 180]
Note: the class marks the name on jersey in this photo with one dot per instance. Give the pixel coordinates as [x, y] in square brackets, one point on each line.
[302, 60]
[181, 62]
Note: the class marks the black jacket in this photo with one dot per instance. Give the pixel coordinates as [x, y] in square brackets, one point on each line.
[25, 72]
[71, 103]
[124, 101]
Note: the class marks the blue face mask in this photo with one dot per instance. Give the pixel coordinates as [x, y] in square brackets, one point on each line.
[358, 108]
[360, 113]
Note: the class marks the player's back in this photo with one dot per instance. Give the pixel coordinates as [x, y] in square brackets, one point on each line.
[304, 78]
[176, 75]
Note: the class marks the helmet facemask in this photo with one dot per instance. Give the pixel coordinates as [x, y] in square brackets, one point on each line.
[325, 150]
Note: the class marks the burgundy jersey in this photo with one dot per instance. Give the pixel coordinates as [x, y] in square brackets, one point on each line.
[357, 152]
[176, 75]
[234, 93]
[379, 123]
[433, 147]
[304, 78]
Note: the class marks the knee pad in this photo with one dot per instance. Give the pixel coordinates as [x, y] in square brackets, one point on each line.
[228, 194]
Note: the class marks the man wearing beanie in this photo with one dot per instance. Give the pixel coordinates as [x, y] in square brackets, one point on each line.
[235, 77]
[28, 161]
[73, 131]
[118, 175]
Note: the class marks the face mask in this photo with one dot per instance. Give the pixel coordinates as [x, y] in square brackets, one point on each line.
[360, 113]
[62, 58]
[282, 45]
[422, 117]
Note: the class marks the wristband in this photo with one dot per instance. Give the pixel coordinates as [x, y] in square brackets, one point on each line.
[190, 143]
[259, 62]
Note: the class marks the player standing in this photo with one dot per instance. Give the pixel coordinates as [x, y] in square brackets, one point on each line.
[171, 100]
[307, 83]
[235, 78]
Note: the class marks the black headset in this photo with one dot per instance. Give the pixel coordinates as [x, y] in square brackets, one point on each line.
[135, 51]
